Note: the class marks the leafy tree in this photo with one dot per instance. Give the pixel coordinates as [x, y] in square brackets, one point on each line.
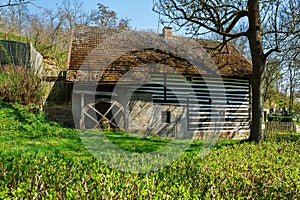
[293, 78]
[271, 77]
[291, 67]
[265, 23]
[296, 108]
[282, 77]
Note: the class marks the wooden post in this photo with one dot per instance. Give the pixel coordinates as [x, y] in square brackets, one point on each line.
[82, 121]
[188, 112]
[165, 87]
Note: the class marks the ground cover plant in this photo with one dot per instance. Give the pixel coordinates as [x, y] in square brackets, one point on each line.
[39, 159]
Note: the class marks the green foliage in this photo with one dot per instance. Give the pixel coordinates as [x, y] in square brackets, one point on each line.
[136, 143]
[296, 108]
[53, 55]
[39, 159]
[22, 86]
[13, 37]
[279, 118]
[4, 57]
[22, 130]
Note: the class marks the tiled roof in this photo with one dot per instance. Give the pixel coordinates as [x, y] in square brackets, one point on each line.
[95, 49]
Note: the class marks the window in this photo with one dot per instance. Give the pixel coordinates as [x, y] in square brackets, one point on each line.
[222, 113]
[166, 117]
[189, 79]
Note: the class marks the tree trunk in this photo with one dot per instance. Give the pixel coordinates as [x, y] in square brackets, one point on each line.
[258, 62]
[291, 100]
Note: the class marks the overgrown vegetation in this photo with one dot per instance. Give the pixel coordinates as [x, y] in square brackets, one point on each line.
[53, 56]
[279, 118]
[13, 37]
[39, 159]
[21, 85]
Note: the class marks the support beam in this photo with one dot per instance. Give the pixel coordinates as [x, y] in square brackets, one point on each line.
[82, 121]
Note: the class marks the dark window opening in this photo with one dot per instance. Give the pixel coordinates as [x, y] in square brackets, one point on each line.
[222, 113]
[189, 79]
[166, 117]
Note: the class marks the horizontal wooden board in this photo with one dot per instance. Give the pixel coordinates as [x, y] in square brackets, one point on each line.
[211, 104]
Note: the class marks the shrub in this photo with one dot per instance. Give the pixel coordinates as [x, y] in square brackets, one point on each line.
[277, 118]
[23, 86]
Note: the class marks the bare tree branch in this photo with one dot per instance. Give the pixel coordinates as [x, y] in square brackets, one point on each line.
[276, 49]
[238, 15]
[267, 25]
[9, 4]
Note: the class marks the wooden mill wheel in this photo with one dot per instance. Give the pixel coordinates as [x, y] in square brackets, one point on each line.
[103, 114]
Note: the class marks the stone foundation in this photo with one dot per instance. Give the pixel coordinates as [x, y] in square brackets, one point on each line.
[147, 118]
[60, 112]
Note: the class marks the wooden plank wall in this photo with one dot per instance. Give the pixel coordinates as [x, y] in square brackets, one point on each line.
[213, 104]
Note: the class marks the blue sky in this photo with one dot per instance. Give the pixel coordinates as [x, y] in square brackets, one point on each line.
[139, 11]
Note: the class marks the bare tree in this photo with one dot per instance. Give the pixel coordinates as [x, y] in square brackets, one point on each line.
[72, 10]
[12, 3]
[262, 22]
[14, 17]
[107, 18]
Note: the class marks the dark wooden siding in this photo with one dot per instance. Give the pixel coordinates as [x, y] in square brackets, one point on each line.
[213, 104]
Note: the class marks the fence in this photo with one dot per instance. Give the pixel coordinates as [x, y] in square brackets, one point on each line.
[20, 54]
[281, 126]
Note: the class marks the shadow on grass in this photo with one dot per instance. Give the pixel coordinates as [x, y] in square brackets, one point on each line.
[137, 144]
[198, 144]
[284, 136]
[19, 114]
[140, 144]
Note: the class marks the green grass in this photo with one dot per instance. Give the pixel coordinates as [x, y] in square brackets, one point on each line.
[26, 131]
[23, 131]
[13, 37]
[40, 159]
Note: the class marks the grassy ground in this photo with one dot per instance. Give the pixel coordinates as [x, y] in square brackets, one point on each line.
[39, 159]
[25, 131]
